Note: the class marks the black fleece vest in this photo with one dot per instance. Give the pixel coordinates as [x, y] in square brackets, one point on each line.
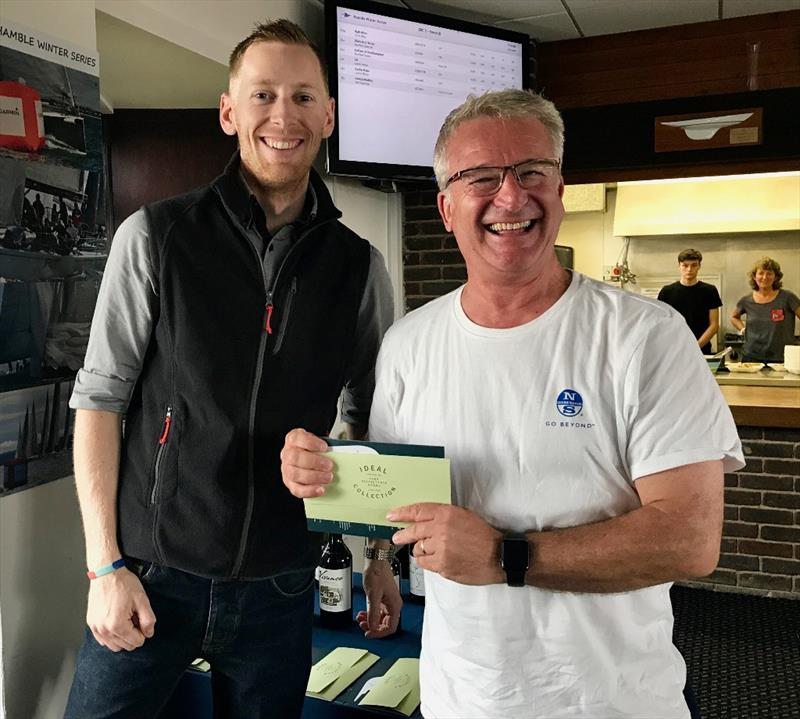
[231, 367]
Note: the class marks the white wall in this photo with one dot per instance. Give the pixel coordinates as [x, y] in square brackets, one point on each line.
[71, 20]
[42, 597]
[212, 29]
[376, 216]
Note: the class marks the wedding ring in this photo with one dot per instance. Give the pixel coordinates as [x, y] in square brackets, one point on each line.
[422, 547]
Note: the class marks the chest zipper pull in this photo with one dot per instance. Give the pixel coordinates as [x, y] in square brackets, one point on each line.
[167, 423]
[268, 319]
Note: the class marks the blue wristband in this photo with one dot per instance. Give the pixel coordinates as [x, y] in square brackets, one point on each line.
[113, 567]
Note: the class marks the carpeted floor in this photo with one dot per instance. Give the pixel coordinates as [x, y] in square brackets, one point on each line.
[742, 653]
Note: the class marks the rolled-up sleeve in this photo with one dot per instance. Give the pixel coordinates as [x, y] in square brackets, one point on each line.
[122, 322]
[375, 316]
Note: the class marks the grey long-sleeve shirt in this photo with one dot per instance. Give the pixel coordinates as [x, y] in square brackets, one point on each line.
[123, 317]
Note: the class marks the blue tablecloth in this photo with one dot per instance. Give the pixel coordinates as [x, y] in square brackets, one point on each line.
[404, 643]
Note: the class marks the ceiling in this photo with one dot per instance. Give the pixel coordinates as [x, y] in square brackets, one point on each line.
[141, 70]
[549, 20]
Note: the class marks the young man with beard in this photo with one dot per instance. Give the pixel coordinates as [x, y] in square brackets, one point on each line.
[581, 489]
[226, 317]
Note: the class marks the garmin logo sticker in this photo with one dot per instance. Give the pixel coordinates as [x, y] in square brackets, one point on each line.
[569, 403]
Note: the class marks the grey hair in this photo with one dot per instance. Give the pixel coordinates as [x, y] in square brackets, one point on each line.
[501, 104]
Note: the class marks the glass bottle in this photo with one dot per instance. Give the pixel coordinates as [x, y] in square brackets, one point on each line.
[335, 584]
[416, 579]
[397, 574]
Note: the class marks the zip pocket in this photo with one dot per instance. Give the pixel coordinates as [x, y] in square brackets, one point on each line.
[285, 319]
[162, 445]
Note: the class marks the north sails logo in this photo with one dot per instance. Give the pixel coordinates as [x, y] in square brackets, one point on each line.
[569, 403]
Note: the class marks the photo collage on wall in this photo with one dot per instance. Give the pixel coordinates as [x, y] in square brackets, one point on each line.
[53, 241]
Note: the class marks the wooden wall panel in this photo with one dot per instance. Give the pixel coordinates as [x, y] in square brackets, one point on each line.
[617, 142]
[155, 154]
[711, 58]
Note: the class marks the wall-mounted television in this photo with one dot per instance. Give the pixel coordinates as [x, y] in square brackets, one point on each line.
[397, 73]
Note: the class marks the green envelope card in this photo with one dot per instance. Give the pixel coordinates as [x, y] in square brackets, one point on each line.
[370, 478]
[398, 689]
[336, 671]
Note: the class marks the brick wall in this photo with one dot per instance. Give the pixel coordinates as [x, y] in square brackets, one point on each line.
[761, 535]
[432, 264]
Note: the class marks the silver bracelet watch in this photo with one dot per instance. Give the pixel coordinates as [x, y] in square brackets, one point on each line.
[375, 553]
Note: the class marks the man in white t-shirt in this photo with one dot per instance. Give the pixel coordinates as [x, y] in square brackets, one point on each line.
[582, 486]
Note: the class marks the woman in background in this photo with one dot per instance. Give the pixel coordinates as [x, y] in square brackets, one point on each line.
[770, 314]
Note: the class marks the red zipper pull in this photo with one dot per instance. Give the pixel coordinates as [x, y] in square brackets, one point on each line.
[267, 325]
[167, 423]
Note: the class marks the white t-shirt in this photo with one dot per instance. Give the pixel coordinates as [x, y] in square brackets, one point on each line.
[547, 425]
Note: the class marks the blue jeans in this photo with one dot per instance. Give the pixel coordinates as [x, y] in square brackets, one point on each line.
[255, 634]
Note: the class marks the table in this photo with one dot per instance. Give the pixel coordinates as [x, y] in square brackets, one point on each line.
[192, 697]
[405, 643]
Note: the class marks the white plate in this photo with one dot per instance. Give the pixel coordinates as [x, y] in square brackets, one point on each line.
[751, 367]
[776, 367]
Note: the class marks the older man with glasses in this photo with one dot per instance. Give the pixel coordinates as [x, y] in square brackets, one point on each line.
[581, 488]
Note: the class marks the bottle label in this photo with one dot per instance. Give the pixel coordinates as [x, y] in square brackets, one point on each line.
[335, 589]
[416, 577]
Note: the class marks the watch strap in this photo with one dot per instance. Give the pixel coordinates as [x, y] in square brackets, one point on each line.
[375, 553]
[515, 577]
[514, 548]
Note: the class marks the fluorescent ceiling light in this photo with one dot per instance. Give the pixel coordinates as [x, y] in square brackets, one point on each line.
[712, 178]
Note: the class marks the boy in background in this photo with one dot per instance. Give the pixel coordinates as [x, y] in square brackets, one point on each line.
[697, 301]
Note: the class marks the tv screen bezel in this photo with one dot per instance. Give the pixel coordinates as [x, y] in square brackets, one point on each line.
[391, 171]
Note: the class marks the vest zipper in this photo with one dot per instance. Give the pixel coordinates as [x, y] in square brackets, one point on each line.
[251, 425]
[262, 345]
[162, 445]
[285, 319]
[268, 314]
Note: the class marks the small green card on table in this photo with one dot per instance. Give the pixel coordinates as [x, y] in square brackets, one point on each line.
[332, 674]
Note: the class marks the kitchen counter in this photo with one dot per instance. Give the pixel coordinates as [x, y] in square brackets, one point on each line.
[775, 405]
[766, 378]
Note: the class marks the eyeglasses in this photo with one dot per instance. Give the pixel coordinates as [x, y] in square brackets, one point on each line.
[485, 181]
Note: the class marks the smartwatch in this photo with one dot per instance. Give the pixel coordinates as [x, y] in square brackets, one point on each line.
[515, 556]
